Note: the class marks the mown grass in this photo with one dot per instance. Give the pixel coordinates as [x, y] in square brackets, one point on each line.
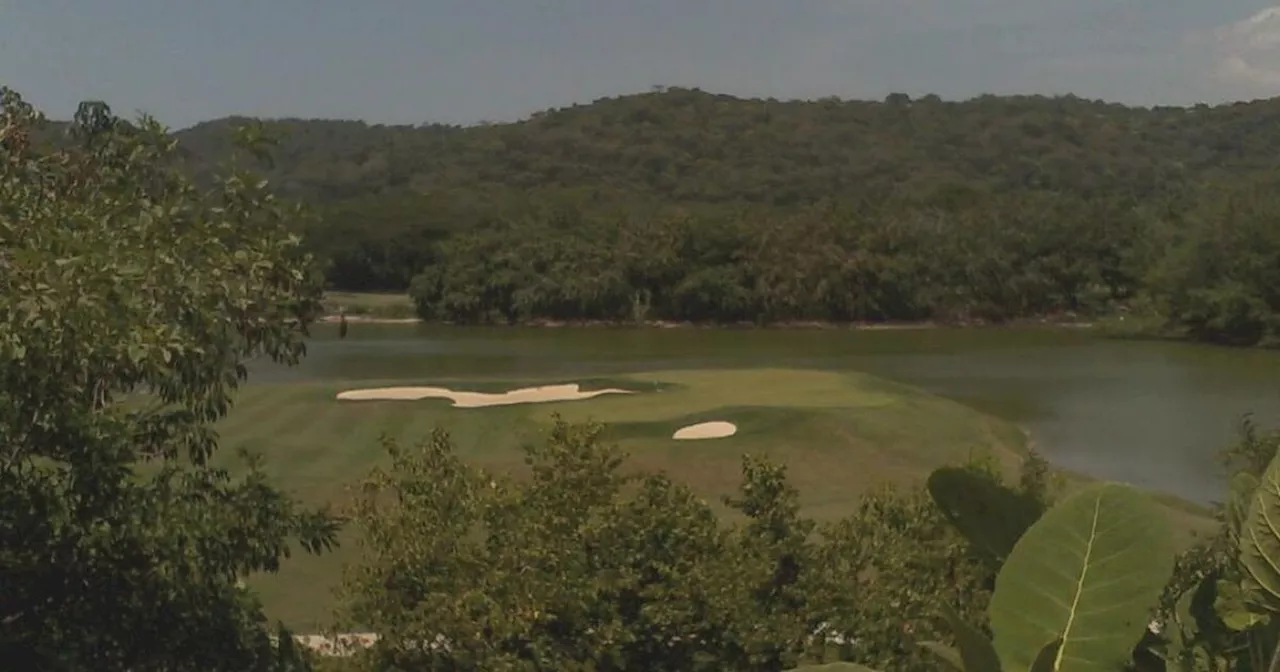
[840, 434]
[369, 304]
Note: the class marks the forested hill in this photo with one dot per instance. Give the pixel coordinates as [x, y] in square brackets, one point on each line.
[684, 205]
[684, 145]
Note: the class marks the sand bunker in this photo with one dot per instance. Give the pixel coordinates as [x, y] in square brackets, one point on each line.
[527, 395]
[706, 430]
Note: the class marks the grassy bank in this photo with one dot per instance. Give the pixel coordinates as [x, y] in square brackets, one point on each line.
[396, 308]
[369, 305]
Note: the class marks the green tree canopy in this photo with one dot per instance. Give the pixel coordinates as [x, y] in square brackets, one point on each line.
[130, 303]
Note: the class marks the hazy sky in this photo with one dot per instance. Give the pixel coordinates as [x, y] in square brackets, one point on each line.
[463, 61]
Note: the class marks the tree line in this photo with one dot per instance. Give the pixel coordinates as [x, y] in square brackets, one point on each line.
[1011, 256]
[690, 206]
[1201, 264]
[687, 145]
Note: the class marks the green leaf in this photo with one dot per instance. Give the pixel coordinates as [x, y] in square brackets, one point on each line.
[1176, 642]
[1239, 499]
[1088, 572]
[1183, 613]
[948, 655]
[976, 652]
[1046, 660]
[1232, 607]
[1264, 645]
[990, 515]
[1260, 541]
[1188, 613]
[137, 352]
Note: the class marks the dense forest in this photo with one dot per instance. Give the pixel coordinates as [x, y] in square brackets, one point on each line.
[685, 205]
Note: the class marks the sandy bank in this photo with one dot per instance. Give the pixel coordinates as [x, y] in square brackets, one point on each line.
[706, 430]
[461, 399]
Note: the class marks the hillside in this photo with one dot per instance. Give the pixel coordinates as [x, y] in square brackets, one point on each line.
[691, 146]
[685, 205]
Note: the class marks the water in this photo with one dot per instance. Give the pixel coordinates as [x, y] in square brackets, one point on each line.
[1152, 414]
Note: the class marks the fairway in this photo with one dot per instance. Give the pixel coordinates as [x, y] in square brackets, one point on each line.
[839, 434]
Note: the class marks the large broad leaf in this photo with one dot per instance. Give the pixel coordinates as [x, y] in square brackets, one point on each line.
[990, 515]
[1087, 573]
[1231, 606]
[1260, 541]
[1047, 659]
[974, 654]
[1180, 631]
[946, 654]
[1239, 501]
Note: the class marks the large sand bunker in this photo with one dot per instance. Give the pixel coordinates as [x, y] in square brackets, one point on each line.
[706, 430]
[527, 395]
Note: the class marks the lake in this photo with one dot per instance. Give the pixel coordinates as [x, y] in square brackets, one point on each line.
[1149, 413]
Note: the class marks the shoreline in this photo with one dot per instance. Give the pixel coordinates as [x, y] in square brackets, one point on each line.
[1064, 322]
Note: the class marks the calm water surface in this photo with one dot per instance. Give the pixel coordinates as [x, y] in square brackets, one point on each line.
[1148, 413]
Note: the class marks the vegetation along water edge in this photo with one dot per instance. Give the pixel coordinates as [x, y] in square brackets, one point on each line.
[991, 209]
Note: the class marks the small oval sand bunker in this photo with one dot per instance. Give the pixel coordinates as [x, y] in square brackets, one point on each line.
[706, 430]
[462, 399]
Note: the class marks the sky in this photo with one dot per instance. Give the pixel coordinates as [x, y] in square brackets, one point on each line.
[471, 61]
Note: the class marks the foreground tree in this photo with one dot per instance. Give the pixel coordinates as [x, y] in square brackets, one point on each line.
[563, 572]
[587, 565]
[129, 306]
